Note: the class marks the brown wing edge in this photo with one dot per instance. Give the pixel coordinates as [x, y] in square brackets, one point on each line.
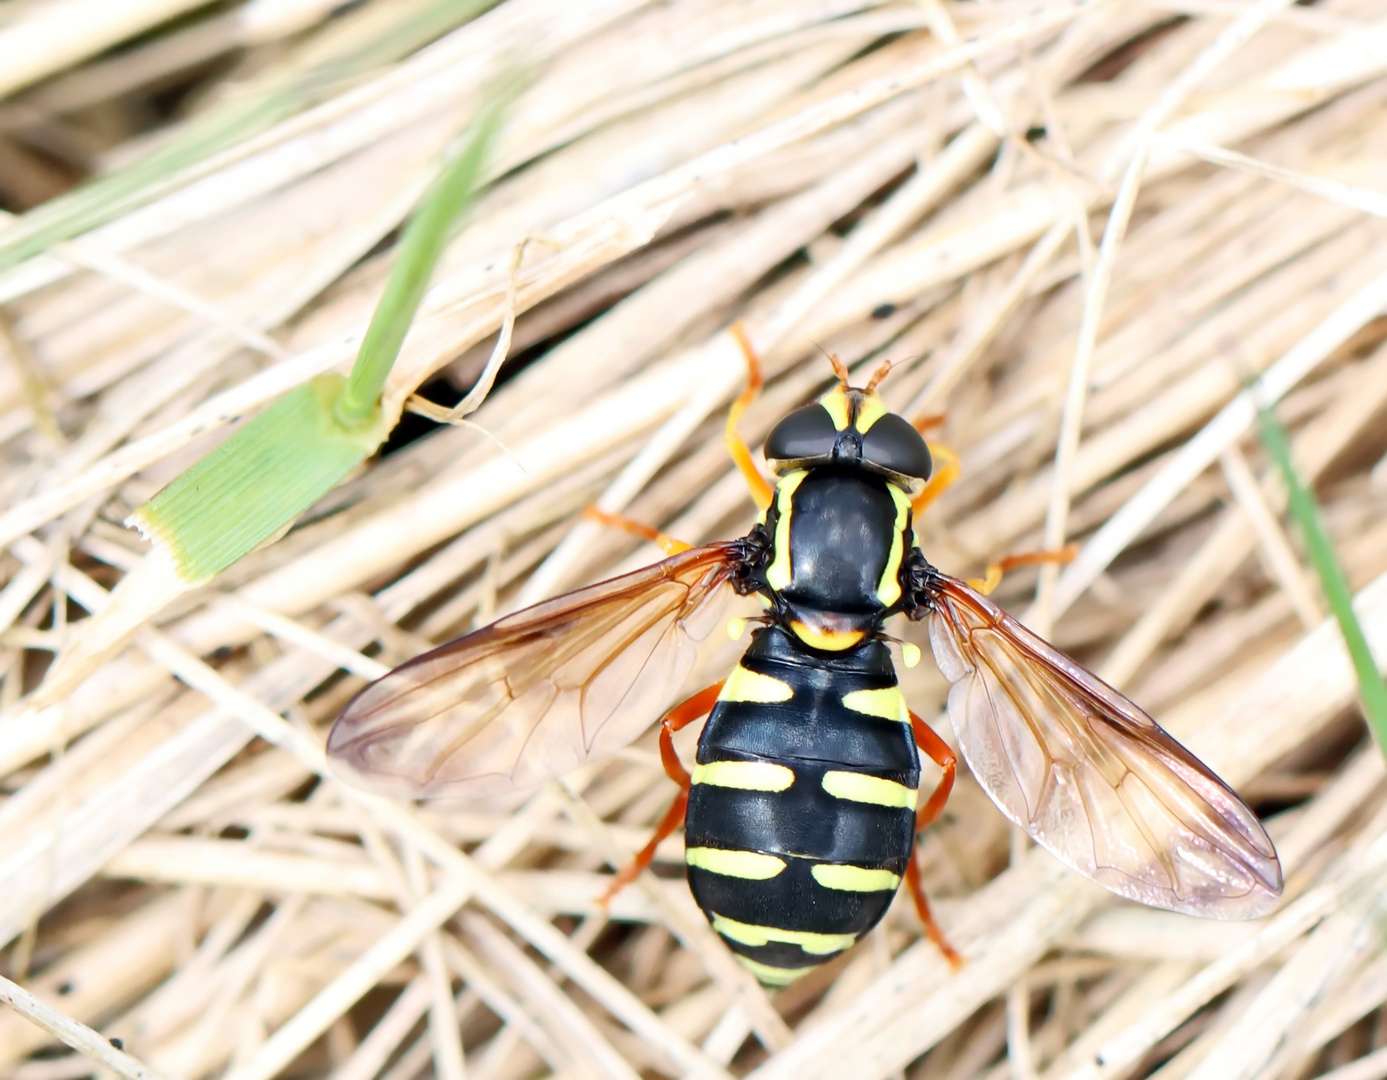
[1241, 826]
[363, 723]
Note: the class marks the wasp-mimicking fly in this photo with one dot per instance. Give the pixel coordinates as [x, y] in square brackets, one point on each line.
[801, 813]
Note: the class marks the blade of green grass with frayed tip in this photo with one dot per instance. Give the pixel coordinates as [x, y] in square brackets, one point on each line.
[258, 481]
[1305, 510]
[162, 170]
[253, 486]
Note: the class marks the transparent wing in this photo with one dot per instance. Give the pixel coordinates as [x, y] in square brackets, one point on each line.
[1089, 775]
[537, 693]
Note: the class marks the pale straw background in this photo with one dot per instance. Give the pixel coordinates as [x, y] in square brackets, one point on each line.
[1077, 227]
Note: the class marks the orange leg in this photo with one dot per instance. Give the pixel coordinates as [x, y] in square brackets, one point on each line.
[668, 544]
[993, 575]
[932, 931]
[946, 471]
[761, 492]
[681, 716]
[926, 421]
[938, 751]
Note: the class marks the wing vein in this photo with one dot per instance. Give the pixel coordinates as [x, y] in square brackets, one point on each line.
[539, 692]
[1088, 774]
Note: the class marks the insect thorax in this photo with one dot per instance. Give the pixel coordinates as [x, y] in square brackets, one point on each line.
[838, 538]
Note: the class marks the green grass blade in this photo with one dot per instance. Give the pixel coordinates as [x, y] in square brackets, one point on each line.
[255, 484]
[107, 197]
[1305, 510]
[423, 242]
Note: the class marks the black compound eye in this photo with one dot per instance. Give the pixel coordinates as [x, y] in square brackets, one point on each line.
[806, 433]
[893, 444]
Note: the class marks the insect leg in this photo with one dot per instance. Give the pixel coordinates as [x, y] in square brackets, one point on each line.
[761, 492]
[993, 575]
[938, 751]
[922, 909]
[946, 471]
[681, 716]
[668, 544]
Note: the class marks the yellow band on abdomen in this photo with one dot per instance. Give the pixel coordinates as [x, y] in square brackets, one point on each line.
[860, 787]
[748, 865]
[771, 976]
[747, 685]
[744, 775]
[888, 703]
[815, 944]
[854, 878]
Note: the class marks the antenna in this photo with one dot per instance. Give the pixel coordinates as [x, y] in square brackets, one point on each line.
[878, 376]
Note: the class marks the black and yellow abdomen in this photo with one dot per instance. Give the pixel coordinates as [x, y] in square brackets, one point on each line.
[801, 817]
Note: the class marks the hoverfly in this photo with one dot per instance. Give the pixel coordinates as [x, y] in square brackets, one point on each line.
[800, 814]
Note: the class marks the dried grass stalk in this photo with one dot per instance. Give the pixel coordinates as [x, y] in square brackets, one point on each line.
[1078, 228]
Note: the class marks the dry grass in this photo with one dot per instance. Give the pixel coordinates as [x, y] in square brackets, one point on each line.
[1077, 227]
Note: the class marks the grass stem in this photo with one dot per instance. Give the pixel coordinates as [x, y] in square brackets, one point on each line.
[1333, 581]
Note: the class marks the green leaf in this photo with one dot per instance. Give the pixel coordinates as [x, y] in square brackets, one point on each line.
[420, 246]
[257, 109]
[258, 481]
[253, 486]
[1305, 510]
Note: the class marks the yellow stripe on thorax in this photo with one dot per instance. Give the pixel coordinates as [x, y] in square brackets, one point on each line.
[889, 588]
[859, 787]
[747, 685]
[815, 944]
[887, 703]
[744, 775]
[779, 572]
[747, 865]
[854, 878]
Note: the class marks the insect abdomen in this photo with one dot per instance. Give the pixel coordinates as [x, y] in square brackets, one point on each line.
[801, 816]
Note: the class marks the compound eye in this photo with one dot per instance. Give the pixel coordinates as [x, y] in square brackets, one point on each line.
[892, 443]
[806, 433]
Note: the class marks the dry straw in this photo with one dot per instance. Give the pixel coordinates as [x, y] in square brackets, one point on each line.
[1077, 227]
